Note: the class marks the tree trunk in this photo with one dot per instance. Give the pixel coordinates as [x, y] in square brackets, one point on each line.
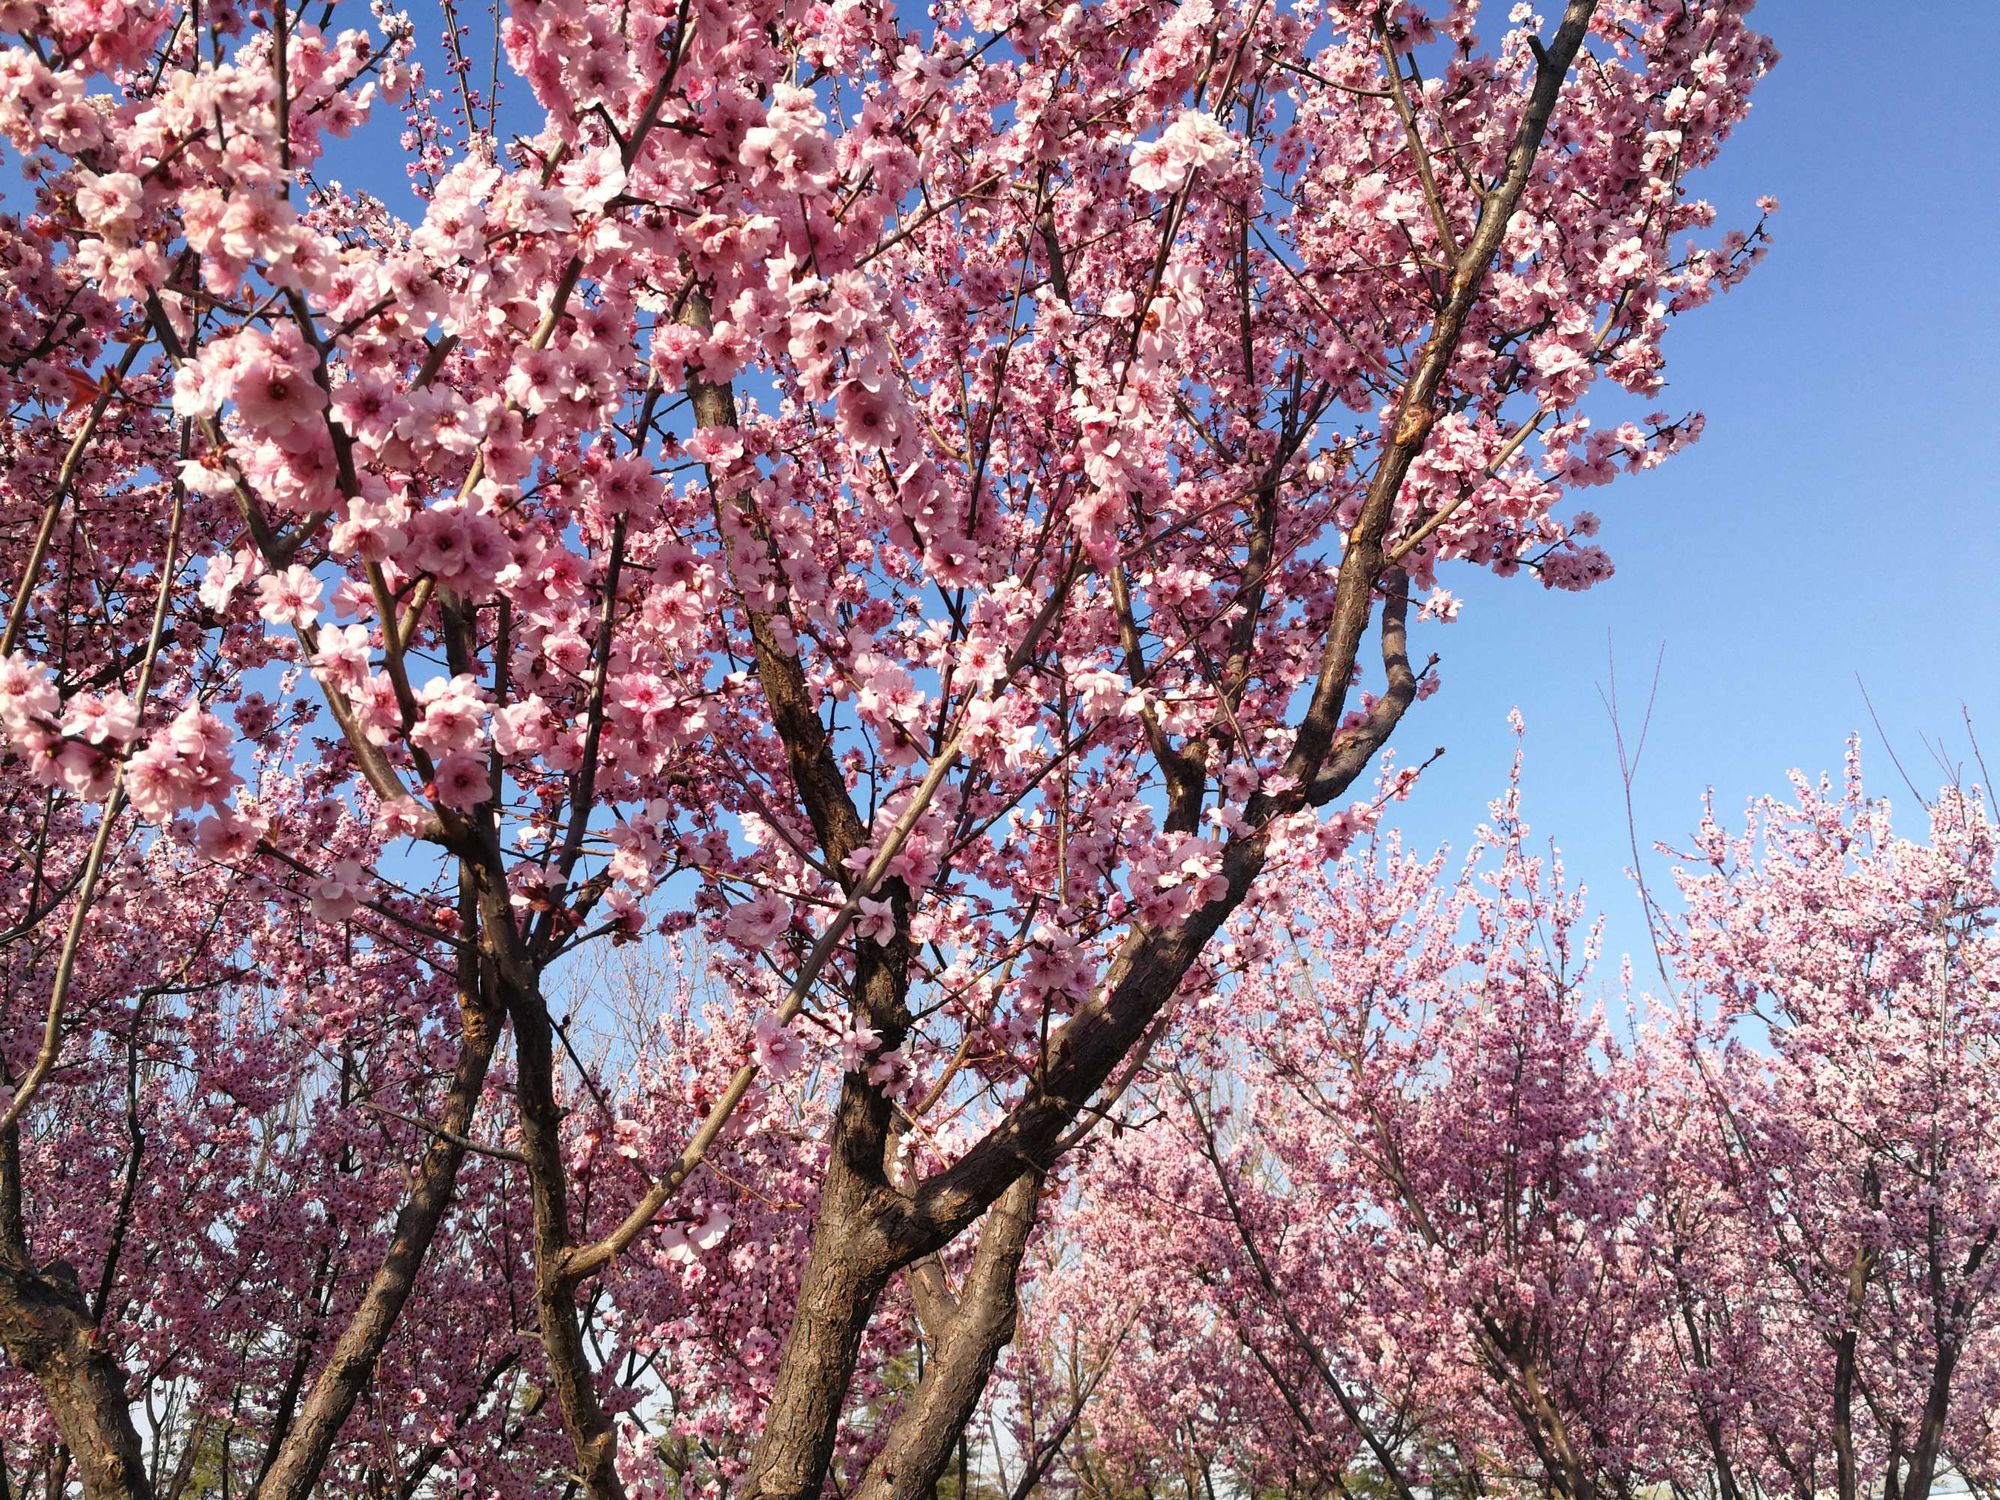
[1922, 1471]
[46, 1328]
[1847, 1479]
[865, 1229]
[1847, 1474]
[301, 1454]
[591, 1433]
[850, 1263]
[974, 1331]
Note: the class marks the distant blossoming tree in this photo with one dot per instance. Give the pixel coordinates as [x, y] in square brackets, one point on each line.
[934, 520]
[1438, 1229]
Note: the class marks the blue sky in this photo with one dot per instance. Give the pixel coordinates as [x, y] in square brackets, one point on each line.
[1836, 518]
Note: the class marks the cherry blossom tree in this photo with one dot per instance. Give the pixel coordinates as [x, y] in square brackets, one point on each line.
[1833, 1277]
[1409, 1215]
[1413, 1206]
[914, 514]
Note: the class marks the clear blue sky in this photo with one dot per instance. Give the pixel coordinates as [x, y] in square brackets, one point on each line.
[1837, 516]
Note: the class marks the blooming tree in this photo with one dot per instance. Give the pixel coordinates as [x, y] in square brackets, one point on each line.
[1444, 1231]
[1412, 1210]
[916, 510]
[1837, 1302]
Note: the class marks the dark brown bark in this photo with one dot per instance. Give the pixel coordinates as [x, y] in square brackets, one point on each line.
[854, 1251]
[1847, 1474]
[46, 1328]
[851, 1260]
[1924, 1456]
[973, 1329]
[1950, 1329]
[591, 1433]
[850, 1263]
[1846, 1354]
[1520, 1374]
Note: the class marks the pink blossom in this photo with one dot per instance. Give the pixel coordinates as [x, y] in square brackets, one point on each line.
[776, 1048]
[272, 393]
[781, 445]
[111, 719]
[1194, 140]
[343, 656]
[868, 417]
[857, 1045]
[111, 204]
[224, 575]
[462, 782]
[790, 144]
[593, 178]
[337, 894]
[684, 1242]
[453, 714]
[27, 692]
[892, 1074]
[760, 921]
[289, 598]
[875, 922]
[523, 728]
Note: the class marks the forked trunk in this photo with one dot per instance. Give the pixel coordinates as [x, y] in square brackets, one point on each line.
[849, 1265]
[976, 1327]
[46, 1328]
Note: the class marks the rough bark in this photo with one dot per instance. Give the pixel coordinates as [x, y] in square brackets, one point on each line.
[1847, 1477]
[849, 1264]
[1950, 1328]
[973, 1329]
[1925, 1455]
[590, 1429]
[1846, 1352]
[46, 1328]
